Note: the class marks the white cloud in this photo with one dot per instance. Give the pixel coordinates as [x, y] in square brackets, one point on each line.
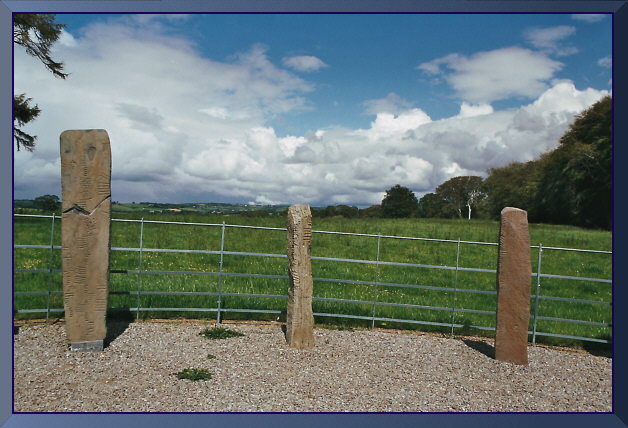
[392, 103]
[549, 39]
[588, 17]
[606, 62]
[470, 110]
[185, 128]
[494, 75]
[66, 39]
[304, 63]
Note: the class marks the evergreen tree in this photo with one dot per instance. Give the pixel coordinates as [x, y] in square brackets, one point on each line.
[36, 34]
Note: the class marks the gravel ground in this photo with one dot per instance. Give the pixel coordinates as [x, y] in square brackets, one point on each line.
[347, 371]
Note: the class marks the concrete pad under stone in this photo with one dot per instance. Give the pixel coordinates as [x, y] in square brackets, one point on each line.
[85, 232]
[299, 315]
[514, 271]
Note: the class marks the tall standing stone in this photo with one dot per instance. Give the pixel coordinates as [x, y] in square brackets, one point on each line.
[85, 234]
[514, 271]
[299, 315]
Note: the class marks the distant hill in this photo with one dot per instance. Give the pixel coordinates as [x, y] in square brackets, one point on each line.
[195, 208]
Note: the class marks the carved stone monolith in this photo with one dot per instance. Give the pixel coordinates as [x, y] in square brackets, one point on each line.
[299, 315]
[85, 235]
[514, 271]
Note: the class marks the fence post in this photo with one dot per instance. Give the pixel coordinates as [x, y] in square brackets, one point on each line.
[139, 275]
[52, 236]
[376, 280]
[222, 249]
[537, 293]
[453, 298]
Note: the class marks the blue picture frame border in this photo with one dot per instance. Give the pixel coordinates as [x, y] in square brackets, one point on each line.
[8, 419]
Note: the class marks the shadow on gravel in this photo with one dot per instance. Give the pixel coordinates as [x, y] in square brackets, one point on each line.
[598, 349]
[480, 346]
[117, 323]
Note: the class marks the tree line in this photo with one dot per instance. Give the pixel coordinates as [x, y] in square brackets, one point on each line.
[571, 184]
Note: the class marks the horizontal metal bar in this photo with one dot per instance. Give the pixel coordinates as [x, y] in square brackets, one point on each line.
[256, 227]
[182, 272]
[240, 253]
[393, 284]
[36, 215]
[43, 247]
[37, 311]
[334, 259]
[194, 293]
[162, 272]
[599, 324]
[403, 305]
[575, 249]
[165, 222]
[264, 311]
[38, 271]
[568, 299]
[36, 293]
[412, 238]
[255, 275]
[575, 278]
[165, 250]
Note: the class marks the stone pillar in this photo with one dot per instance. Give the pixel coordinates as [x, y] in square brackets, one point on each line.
[299, 316]
[85, 224]
[514, 271]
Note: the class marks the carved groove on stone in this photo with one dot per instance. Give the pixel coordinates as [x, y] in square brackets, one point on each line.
[85, 231]
[299, 314]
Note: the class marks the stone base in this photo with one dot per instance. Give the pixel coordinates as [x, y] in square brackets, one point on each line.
[93, 346]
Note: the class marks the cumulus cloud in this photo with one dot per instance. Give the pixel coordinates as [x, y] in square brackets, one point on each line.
[549, 39]
[186, 128]
[304, 63]
[588, 17]
[494, 75]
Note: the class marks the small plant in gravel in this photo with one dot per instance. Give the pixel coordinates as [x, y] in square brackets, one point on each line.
[210, 356]
[219, 333]
[194, 374]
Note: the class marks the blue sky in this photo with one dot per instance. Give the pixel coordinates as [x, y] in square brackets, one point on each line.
[320, 109]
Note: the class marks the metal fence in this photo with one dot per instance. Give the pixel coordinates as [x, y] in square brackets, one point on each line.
[536, 298]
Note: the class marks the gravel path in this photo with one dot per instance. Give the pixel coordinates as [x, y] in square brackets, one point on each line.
[356, 371]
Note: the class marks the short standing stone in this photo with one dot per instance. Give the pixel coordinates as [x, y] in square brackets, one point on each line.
[85, 235]
[299, 315]
[513, 287]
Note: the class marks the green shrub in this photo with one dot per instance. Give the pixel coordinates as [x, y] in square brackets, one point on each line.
[194, 374]
[219, 333]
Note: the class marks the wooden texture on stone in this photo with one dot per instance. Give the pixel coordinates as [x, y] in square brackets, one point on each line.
[299, 315]
[514, 271]
[85, 234]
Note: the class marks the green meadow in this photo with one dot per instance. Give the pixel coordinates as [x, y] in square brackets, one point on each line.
[340, 287]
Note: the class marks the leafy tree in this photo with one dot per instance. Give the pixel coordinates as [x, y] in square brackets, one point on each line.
[372, 211]
[399, 202]
[35, 33]
[336, 210]
[514, 185]
[432, 205]
[48, 202]
[463, 191]
[575, 185]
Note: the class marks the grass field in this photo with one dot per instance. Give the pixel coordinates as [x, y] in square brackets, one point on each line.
[449, 282]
